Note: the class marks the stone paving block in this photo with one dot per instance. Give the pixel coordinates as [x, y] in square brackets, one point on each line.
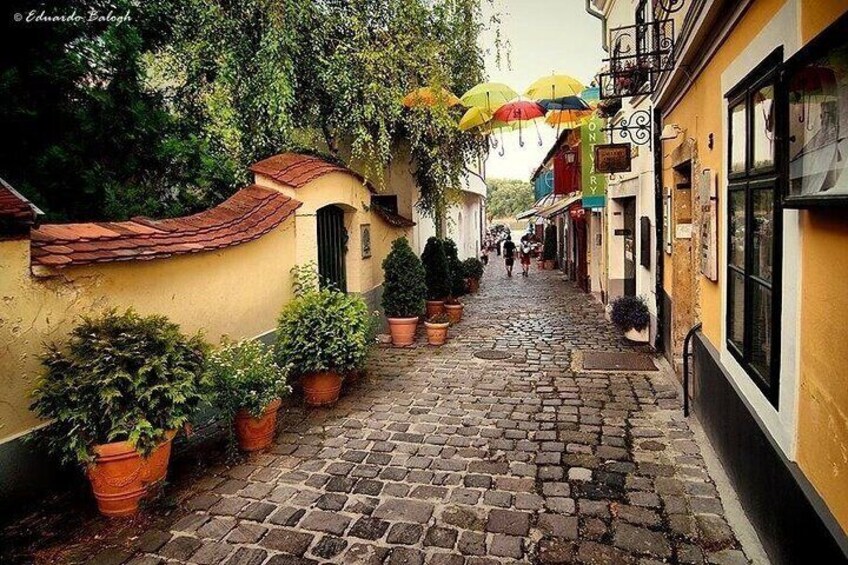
[558, 526]
[328, 522]
[180, 548]
[369, 528]
[212, 553]
[407, 510]
[508, 522]
[440, 537]
[641, 540]
[287, 541]
[329, 547]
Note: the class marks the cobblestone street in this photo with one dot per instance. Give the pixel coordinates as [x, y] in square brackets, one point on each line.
[440, 457]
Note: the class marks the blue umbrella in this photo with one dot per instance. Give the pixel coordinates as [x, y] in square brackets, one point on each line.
[564, 103]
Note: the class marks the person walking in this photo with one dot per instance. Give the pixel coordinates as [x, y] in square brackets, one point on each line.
[484, 254]
[526, 252]
[509, 255]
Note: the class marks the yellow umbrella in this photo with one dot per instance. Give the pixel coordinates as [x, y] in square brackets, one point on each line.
[428, 96]
[474, 117]
[488, 95]
[554, 86]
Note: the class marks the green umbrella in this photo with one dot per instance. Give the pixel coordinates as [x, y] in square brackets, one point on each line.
[489, 96]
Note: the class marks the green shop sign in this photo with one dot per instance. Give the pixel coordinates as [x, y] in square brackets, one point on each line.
[594, 184]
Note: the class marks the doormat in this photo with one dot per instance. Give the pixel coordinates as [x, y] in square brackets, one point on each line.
[492, 354]
[617, 361]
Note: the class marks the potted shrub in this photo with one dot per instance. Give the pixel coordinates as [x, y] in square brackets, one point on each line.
[630, 314]
[473, 270]
[404, 290]
[249, 386]
[456, 275]
[115, 394]
[549, 248]
[323, 335]
[436, 275]
[437, 329]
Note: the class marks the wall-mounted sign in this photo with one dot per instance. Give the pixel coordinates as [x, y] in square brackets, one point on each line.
[365, 239]
[612, 158]
[594, 185]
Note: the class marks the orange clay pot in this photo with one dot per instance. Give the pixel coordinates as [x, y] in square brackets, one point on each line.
[473, 286]
[434, 308]
[403, 331]
[454, 312]
[549, 264]
[117, 478]
[321, 389]
[255, 434]
[157, 462]
[437, 334]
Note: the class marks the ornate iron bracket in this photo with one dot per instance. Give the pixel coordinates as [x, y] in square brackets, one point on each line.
[667, 6]
[639, 53]
[635, 128]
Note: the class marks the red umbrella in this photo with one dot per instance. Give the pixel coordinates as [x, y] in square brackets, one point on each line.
[520, 111]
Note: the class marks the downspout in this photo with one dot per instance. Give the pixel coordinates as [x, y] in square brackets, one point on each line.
[591, 12]
[659, 207]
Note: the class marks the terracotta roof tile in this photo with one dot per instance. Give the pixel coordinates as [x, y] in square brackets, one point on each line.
[297, 170]
[392, 218]
[248, 214]
[17, 213]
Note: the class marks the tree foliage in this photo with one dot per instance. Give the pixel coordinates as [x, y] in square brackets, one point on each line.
[508, 197]
[162, 114]
[404, 287]
[436, 269]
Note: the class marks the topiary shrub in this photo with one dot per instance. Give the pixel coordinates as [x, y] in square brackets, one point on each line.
[120, 377]
[323, 330]
[549, 249]
[456, 273]
[473, 268]
[630, 312]
[404, 286]
[437, 276]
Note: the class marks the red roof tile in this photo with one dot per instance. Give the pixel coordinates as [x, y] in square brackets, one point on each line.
[392, 218]
[248, 214]
[297, 170]
[17, 213]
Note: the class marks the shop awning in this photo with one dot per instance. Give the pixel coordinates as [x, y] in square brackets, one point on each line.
[526, 214]
[558, 208]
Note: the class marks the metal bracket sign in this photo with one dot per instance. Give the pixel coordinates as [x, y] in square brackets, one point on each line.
[612, 158]
[636, 128]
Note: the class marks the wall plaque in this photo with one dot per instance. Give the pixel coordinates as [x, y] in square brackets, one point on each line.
[612, 158]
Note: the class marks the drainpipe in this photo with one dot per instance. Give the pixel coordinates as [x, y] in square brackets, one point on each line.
[591, 12]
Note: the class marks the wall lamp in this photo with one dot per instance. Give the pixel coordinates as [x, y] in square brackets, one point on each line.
[670, 131]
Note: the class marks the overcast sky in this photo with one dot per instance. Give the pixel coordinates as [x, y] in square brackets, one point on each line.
[546, 36]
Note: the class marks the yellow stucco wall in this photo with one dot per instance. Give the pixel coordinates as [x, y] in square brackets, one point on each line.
[237, 291]
[823, 398]
[822, 428]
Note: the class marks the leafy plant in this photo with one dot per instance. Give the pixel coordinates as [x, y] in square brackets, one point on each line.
[305, 278]
[455, 270]
[245, 376]
[442, 318]
[404, 287]
[119, 377]
[630, 312]
[437, 274]
[473, 268]
[549, 249]
[323, 330]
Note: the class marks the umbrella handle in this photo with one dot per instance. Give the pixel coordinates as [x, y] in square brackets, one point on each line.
[501, 153]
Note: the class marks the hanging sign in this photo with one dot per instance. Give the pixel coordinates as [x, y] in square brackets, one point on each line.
[612, 158]
[594, 185]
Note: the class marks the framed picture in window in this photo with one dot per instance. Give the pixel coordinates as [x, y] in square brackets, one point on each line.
[817, 88]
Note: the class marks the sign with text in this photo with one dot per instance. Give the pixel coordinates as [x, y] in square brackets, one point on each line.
[612, 158]
[594, 185]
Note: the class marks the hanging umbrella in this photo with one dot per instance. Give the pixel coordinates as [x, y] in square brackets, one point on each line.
[567, 119]
[474, 117]
[521, 111]
[429, 96]
[565, 103]
[554, 86]
[488, 95]
[591, 95]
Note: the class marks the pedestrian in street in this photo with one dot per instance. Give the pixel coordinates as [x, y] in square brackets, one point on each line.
[509, 255]
[484, 254]
[526, 252]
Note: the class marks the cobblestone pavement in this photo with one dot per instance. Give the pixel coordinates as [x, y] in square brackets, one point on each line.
[440, 457]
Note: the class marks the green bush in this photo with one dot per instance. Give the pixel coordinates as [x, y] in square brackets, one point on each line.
[455, 271]
[630, 312]
[119, 377]
[404, 287]
[245, 376]
[437, 274]
[323, 330]
[473, 268]
[549, 250]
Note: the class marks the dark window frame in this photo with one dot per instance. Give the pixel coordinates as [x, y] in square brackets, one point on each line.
[748, 181]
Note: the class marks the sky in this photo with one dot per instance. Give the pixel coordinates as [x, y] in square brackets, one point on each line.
[546, 36]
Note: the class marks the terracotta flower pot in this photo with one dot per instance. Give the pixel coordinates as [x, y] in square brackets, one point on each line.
[549, 264]
[157, 462]
[435, 307]
[437, 334]
[473, 285]
[454, 312]
[541, 265]
[255, 434]
[403, 330]
[117, 478]
[321, 389]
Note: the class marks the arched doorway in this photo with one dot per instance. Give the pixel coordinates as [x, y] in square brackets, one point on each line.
[332, 247]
